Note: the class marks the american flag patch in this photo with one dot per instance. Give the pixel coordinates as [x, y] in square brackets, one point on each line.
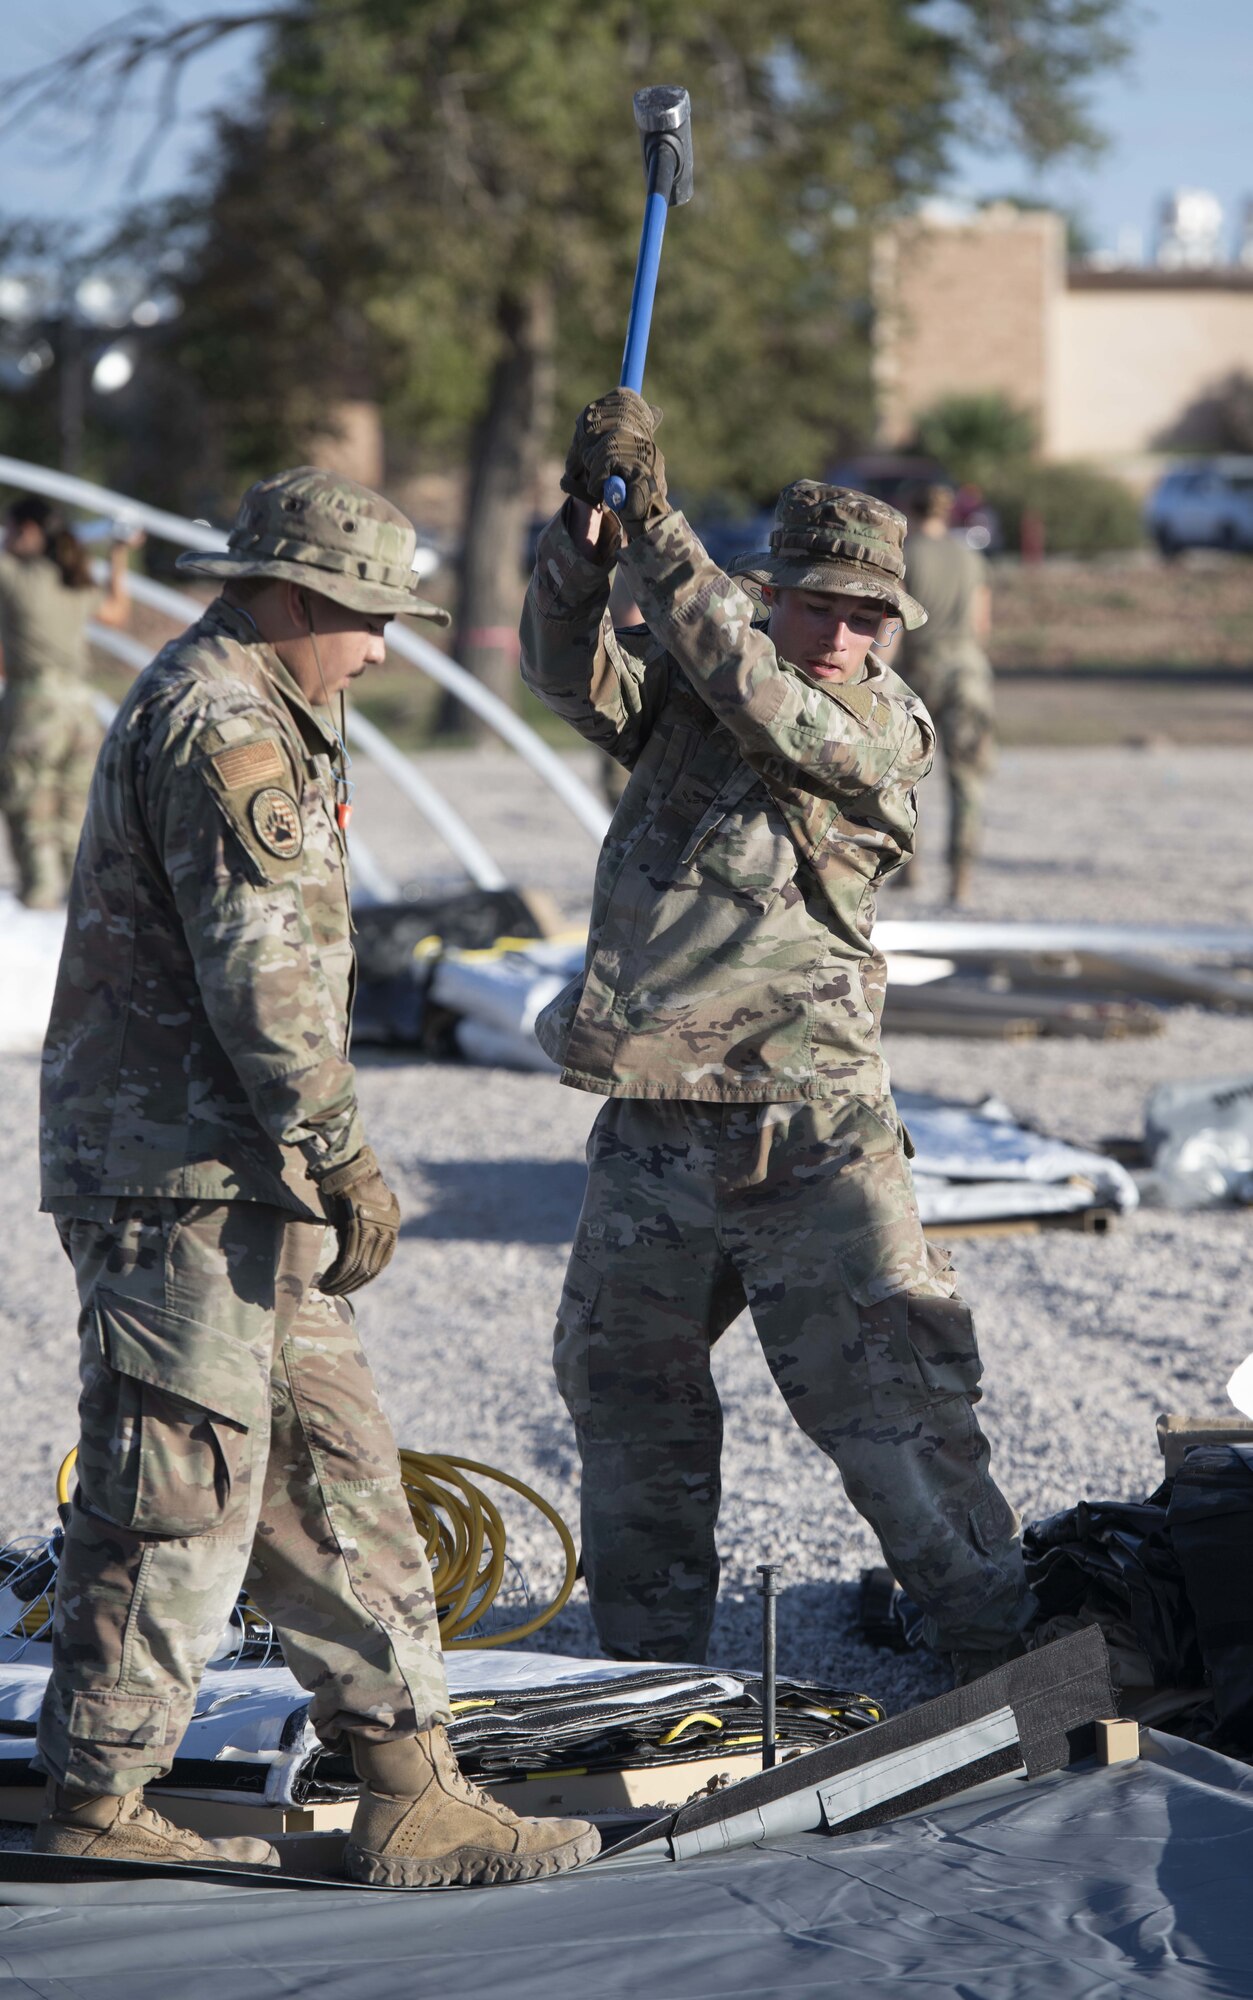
[248, 763]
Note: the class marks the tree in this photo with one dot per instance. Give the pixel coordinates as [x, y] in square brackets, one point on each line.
[1220, 419]
[437, 201]
[974, 436]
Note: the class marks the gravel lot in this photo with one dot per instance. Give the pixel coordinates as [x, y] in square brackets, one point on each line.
[1085, 1339]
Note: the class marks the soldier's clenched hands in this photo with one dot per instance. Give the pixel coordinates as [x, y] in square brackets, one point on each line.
[365, 1216]
[616, 434]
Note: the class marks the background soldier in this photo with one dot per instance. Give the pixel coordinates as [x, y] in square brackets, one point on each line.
[199, 1127]
[49, 734]
[946, 664]
[750, 1151]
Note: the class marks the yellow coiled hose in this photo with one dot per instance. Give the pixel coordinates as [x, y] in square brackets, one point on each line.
[463, 1532]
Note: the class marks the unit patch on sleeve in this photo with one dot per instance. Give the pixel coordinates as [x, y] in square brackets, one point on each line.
[275, 819]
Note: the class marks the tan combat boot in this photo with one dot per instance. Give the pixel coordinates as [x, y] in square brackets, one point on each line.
[109, 1827]
[420, 1824]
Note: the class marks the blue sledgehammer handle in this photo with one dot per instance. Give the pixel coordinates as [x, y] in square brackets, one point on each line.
[647, 264]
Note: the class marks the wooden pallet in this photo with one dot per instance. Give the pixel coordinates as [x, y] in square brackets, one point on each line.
[1087, 1221]
[547, 1795]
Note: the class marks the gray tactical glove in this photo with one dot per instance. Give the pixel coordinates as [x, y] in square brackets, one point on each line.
[365, 1216]
[616, 434]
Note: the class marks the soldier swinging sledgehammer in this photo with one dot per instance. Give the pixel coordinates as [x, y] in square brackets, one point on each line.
[749, 1151]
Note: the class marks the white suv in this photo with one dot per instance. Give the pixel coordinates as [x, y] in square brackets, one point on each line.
[1207, 505]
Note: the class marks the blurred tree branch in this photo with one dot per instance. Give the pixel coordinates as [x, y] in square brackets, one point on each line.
[435, 204]
[1028, 62]
[97, 76]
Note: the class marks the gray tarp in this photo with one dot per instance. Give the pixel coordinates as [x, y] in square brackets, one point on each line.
[1087, 1885]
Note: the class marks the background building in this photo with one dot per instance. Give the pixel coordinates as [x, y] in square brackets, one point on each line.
[1119, 366]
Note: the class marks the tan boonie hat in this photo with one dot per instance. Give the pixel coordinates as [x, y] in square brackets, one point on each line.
[832, 538]
[329, 533]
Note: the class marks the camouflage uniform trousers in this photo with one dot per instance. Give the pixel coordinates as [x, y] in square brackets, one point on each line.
[805, 1212]
[49, 740]
[957, 688]
[231, 1436]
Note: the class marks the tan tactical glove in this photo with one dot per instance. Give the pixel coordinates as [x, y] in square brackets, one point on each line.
[616, 434]
[365, 1216]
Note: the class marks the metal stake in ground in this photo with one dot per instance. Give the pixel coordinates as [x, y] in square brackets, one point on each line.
[769, 1597]
[664, 116]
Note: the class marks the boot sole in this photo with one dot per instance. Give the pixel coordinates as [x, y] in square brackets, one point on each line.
[72, 1850]
[470, 1866]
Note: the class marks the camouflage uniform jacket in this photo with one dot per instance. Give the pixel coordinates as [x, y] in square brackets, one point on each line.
[729, 957]
[199, 1032]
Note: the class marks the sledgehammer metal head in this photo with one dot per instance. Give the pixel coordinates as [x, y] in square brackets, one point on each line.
[663, 113]
[664, 116]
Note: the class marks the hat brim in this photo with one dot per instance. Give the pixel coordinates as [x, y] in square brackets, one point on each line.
[838, 578]
[356, 593]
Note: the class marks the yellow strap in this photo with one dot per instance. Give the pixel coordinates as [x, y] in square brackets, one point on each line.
[689, 1722]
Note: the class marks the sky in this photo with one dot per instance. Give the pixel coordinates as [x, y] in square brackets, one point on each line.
[1177, 116]
[1180, 114]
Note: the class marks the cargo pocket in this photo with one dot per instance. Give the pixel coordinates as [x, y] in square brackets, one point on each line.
[918, 1350]
[572, 1338]
[169, 1424]
[917, 1346]
[120, 1721]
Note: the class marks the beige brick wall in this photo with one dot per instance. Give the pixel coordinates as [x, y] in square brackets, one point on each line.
[1109, 364]
[966, 307]
[1128, 366]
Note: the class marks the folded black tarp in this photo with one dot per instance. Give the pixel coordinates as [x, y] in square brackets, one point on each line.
[1083, 1885]
[1166, 1580]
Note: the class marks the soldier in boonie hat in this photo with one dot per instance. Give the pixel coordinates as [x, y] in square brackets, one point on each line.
[209, 966]
[834, 539]
[328, 533]
[748, 1149]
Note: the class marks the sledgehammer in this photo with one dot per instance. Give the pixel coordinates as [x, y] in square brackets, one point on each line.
[664, 116]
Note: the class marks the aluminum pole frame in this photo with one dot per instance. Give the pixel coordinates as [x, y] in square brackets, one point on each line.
[570, 789]
[369, 876]
[443, 819]
[84, 493]
[769, 1590]
[951, 937]
[470, 692]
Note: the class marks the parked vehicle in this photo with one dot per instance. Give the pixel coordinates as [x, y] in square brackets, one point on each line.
[1206, 505]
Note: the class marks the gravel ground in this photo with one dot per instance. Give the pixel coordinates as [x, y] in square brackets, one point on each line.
[1085, 1339]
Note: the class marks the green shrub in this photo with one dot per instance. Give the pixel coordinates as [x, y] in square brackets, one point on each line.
[1083, 512]
[974, 436]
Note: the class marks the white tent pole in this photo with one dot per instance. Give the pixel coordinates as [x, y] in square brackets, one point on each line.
[368, 874]
[591, 814]
[442, 818]
[433, 806]
[131, 651]
[586, 808]
[571, 790]
[135, 513]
